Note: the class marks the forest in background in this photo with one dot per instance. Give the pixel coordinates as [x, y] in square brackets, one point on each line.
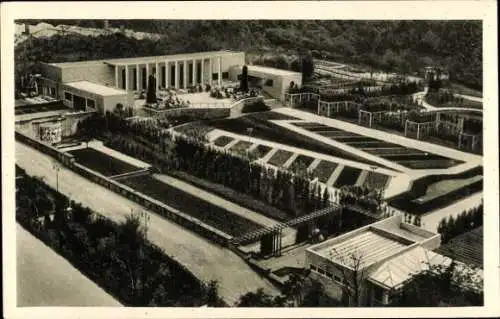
[396, 46]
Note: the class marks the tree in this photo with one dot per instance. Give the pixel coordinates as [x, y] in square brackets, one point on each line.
[293, 288]
[353, 279]
[151, 94]
[307, 66]
[442, 285]
[244, 79]
[260, 299]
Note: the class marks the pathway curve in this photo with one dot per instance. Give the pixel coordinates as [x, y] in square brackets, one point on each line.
[206, 260]
[44, 278]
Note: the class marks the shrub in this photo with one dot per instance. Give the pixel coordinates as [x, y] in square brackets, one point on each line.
[257, 106]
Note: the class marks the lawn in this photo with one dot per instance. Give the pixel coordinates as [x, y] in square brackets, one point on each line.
[212, 215]
[303, 160]
[376, 180]
[324, 170]
[442, 188]
[406, 201]
[240, 147]
[223, 140]
[428, 164]
[279, 158]
[261, 150]
[348, 176]
[102, 163]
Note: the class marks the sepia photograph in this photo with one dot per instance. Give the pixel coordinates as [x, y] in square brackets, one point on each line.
[283, 163]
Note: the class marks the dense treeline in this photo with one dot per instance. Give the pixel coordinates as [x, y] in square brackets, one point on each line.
[118, 257]
[401, 46]
[467, 220]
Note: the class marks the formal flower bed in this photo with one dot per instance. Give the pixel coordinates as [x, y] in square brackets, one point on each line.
[102, 163]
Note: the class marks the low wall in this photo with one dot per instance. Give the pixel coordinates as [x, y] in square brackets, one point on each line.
[65, 158]
[158, 207]
[192, 112]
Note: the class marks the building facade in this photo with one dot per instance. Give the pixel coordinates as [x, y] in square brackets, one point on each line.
[132, 74]
[367, 266]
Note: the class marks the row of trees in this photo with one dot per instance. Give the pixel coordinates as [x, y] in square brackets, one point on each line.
[118, 257]
[292, 193]
[467, 220]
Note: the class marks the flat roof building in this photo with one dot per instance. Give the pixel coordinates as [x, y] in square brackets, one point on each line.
[273, 81]
[378, 258]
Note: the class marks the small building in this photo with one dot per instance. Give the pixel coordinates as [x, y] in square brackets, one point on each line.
[89, 96]
[274, 82]
[378, 258]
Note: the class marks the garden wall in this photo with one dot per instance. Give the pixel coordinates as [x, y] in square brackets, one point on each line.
[193, 113]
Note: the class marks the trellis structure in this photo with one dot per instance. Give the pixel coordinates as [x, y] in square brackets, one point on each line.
[270, 237]
[363, 114]
[470, 141]
[328, 108]
[419, 128]
[294, 99]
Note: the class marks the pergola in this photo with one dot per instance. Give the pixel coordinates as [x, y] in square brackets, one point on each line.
[326, 107]
[378, 115]
[273, 234]
[292, 99]
[421, 127]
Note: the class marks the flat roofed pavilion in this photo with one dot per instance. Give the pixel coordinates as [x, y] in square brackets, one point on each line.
[146, 59]
[95, 88]
[369, 245]
[269, 70]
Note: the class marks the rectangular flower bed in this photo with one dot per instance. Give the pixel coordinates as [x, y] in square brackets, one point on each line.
[223, 140]
[348, 176]
[279, 158]
[324, 170]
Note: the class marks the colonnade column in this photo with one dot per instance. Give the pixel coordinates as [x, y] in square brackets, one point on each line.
[210, 71]
[116, 76]
[202, 63]
[177, 74]
[219, 77]
[147, 76]
[185, 74]
[194, 73]
[157, 76]
[137, 85]
[166, 74]
[126, 78]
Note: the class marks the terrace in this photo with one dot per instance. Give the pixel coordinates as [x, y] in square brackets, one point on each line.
[408, 157]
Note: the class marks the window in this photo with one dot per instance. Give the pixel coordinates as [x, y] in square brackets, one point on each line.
[313, 268]
[378, 293]
[321, 271]
[215, 76]
[68, 96]
[225, 75]
[337, 279]
[91, 103]
[329, 274]
[269, 82]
